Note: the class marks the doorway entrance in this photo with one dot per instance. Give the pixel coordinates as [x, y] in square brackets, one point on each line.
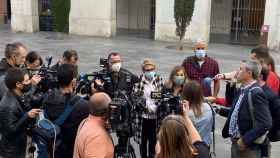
[237, 21]
[136, 18]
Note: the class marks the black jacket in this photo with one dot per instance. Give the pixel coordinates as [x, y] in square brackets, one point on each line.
[4, 66]
[262, 117]
[274, 107]
[14, 124]
[54, 103]
[123, 82]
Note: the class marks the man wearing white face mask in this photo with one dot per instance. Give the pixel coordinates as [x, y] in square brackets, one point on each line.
[120, 78]
[202, 69]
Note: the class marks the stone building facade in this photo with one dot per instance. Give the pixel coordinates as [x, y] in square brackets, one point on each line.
[3, 11]
[212, 19]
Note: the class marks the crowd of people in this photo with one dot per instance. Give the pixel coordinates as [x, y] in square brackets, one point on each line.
[63, 124]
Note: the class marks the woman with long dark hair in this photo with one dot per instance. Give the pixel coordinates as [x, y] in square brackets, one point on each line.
[177, 79]
[200, 112]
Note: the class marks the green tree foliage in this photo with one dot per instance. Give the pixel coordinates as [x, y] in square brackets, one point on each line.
[61, 10]
[183, 11]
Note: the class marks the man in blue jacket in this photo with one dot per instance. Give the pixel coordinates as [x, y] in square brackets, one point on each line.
[239, 125]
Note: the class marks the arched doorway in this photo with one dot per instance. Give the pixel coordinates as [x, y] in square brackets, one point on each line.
[237, 21]
[136, 18]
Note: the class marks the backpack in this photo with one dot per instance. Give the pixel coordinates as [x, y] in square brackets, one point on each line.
[47, 134]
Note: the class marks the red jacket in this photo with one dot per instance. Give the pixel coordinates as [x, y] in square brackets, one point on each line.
[273, 82]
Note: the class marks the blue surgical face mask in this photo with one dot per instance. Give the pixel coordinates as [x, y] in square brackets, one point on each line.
[179, 80]
[149, 75]
[200, 53]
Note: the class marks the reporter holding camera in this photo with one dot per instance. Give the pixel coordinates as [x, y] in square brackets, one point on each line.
[93, 139]
[15, 116]
[69, 57]
[15, 57]
[177, 137]
[200, 113]
[149, 82]
[120, 78]
[55, 103]
[33, 61]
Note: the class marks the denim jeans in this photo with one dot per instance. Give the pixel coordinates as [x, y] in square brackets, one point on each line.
[207, 84]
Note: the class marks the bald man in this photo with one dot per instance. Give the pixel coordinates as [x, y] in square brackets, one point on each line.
[92, 138]
[201, 68]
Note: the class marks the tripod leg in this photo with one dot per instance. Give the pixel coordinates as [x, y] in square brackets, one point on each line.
[132, 152]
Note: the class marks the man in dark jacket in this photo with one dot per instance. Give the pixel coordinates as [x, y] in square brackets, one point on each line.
[54, 104]
[118, 78]
[69, 57]
[274, 107]
[239, 125]
[15, 117]
[15, 54]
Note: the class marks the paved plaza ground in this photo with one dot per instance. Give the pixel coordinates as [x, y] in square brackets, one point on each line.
[133, 51]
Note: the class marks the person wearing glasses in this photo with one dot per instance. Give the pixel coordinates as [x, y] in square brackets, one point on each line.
[203, 69]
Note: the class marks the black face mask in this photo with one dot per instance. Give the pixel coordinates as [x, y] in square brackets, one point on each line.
[26, 88]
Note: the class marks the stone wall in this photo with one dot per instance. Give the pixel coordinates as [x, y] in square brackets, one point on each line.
[24, 15]
[93, 17]
[199, 28]
[272, 18]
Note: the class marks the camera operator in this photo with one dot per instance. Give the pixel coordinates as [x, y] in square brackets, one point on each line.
[149, 82]
[15, 116]
[121, 79]
[54, 106]
[69, 57]
[15, 56]
[33, 61]
[92, 139]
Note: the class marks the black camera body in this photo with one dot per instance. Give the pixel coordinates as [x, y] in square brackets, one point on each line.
[169, 104]
[121, 112]
[85, 81]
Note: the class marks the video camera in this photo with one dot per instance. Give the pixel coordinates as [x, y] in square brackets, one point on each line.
[49, 77]
[169, 104]
[48, 81]
[121, 115]
[85, 80]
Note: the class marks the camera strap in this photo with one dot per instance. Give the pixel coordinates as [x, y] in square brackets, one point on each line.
[69, 106]
[213, 152]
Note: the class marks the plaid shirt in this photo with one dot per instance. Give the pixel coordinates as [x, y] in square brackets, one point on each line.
[209, 68]
[139, 88]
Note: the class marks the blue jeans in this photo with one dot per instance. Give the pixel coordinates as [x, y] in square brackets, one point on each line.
[207, 81]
